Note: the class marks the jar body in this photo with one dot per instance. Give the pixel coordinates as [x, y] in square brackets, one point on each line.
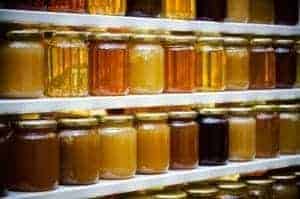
[108, 68]
[146, 68]
[184, 144]
[144, 8]
[107, 7]
[180, 68]
[179, 9]
[77, 6]
[27, 4]
[238, 11]
[153, 141]
[283, 190]
[260, 191]
[212, 10]
[17, 81]
[67, 74]
[5, 135]
[262, 11]
[286, 12]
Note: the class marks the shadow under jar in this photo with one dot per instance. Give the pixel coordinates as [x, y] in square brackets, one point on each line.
[184, 140]
[79, 146]
[34, 156]
[178, 9]
[5, 134]
[27, 4]
[77, 6]
[234, 190]
[107, 7]
[286, 12]
[262, 64]
[67, 59]
[213, 136]
[144, 8]
[153, 143]
[260, 188]
[284, 187]
[108, 64]
[212, 10]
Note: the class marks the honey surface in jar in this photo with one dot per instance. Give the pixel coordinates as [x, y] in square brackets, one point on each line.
[106, 7]
[179, 9]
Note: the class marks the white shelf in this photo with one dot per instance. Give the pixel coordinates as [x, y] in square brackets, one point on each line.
[86, 20]
[140, 182]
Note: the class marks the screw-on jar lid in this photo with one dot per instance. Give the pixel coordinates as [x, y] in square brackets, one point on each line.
[203, 192]
[182, 115]
[289, 108]
[260, 182]
[240, 111]
[235, 41]
[72, 34]
[284, 42]
[213, 111]
[231, 186]
[170, 195]
[211, 40]
[77, 122]
[110, 36]
[118, 118]
[36, 124]
[283, 177]
[266, 108]
[24, 34]
[179, 39]
[151, 116]
[261, 41]
[146, 35]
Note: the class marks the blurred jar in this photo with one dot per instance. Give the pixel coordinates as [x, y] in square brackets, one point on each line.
[5, 134]
[284, 187]
[144, 8]
[184, 140]
[179, 63]
[212, 10]
[178, 9]
[22, 48]
[260, 188]
[108, 64]
[153, 141]
[297, 84]
[233, 190]
[205, 192]
[107, 7]
[34, 156]
[77, 6]
[118, 147]
[262, 64]
[27, 4]
[286, 12]
[67, 56]
[262, 11]
[237, 63]
[210, 64]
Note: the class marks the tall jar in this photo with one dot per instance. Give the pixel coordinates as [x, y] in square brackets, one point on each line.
[22, 48]
[213, 136]
[284, 187]
[262, 11]
[297, 83]
[202, 192]
[27, 4]
[33, 156]
[285, 57]
[79, 146]
[210, 64]
[144, 8]
[5, 134]
[153, 143]
[146, 64]
[242, 129]
[286, 12]
[260, 188]
[262, 64]
[108, 64]
[77, 6]
[179, 63]
[238, 11]
[237, 63]
[267, 131]
[118, 147]
[212, 10]
[235, 190]
[178, 9]
[67, 56]
[107, 7]
[184, 140]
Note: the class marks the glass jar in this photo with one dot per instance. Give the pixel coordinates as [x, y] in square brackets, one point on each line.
[202, 192]
[77, 6]
[210, 64]
[238, 11]
[297, 84]
[212, 10]
[179, 63]
[118, 147]
[289, 129]
[144, 8]
[153, 143]
[33, 156]
[233, 190]
[67, 57]
[27, 4]
[262, 64]
[107, 7]
[242, 129]
[284, 187]
[286, 12]
[260, 188]
[108, 64]
[146, 64]
[5, 134]
[237, 63]
[176, 194]
[178, 9]
[184, 140]
[79, 146]
[262, 11]
[23, 48]
[213, 136]
[285, 57]
[267, 131]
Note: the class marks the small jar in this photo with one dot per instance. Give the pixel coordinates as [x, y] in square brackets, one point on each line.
[22, 48]
[67, 56]
[178, 9]
[184, 140]
[144, 8]
[118, 147]
[210, 64]
[79, 145]
[267, 131]
[235, 190]
[297, 84]
[212, 10]
[289, 129]
[237, 63]
[77, 6]
[262, 11]
[108, 64]
[202, 192]
[153, 143]
[238, 11]
[5, 134]
[27, 4]
[260, 188]
[262, 64]
[242, 129]
[174, 194]
[33, 156]
[284, 187]
[146, 64]
[285, 57]
[213, 136]
[286, 12]
[106, 7]
[179, 64]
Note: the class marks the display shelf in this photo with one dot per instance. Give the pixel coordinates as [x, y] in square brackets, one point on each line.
[141, 182]
[86, 20]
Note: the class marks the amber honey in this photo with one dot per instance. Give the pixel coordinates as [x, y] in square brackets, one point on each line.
[107, 7]
[178, 9]
[67, 5]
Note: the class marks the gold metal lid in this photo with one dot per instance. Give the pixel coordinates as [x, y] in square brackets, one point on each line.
[73, 34]
[289, 108]
[24, 34]
[36, 124]
[77, 122]
[211, 40]
[205, 191]
[231, 186]
[213, 111]
[235, 41]
[72, 114]
[178, 39]
[31, 116]
[297, 174]
[118, 118]
[170, 195]
[284, 42]
[240, 111]
[283, 177]
[260, 182]
[266, 108]
[261, 41]
[151, 116]
[182, 115]
[110, 36]
[146, 37]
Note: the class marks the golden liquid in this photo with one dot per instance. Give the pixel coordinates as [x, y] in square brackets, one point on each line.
[107, 7]
[238, 10]
[67, 74]
[262, 11]
[289, 123]
[179, 9]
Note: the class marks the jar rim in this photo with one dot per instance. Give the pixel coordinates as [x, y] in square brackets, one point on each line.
[284, 42]
[289, 108]
[171, 195]
[70, 33]
[110, 36]
[182, 115]
[24, 34]
[283, 177]
[36, 124]
[215, 40]
[260, 182]
[240, 110]
[202, 191]
[151, 116]
[261, 41]
[231, 185]
[179, 39]
[235, 41]
[145, 38]
[266, 108]
[118, 118]
[77, 122]
[213, 111]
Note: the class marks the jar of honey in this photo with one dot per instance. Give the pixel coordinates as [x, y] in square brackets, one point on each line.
[260, 188]
[5, 134]
[286, 12]
[178, 9]
[77, 6]
[284, 187]
[144, 8]
[27, 4]
[107, 7]
[212, 10]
